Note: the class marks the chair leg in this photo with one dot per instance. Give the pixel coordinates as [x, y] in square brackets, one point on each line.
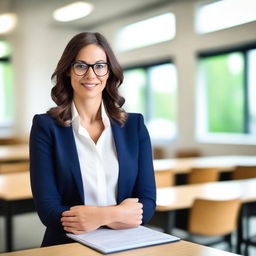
[228, 239]
[246, 249]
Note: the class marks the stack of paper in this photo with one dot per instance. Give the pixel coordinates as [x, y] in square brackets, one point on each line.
[108, 240]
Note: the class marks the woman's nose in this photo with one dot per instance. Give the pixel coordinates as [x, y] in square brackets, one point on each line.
[90, 73]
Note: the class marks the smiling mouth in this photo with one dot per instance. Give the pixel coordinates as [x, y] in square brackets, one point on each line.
[89, 85]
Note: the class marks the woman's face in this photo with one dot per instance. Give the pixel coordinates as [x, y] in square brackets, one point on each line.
[85, 83]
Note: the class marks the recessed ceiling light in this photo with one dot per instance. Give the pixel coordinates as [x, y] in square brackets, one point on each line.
[7, 22]
[73, 11]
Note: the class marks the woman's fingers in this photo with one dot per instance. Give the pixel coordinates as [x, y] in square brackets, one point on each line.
[68, 219]
[72, 230]
[68, 214]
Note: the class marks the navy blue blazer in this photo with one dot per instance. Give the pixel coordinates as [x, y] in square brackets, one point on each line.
[56, 177]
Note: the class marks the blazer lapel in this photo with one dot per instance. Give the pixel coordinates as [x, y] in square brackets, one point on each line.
[72, 158]
[120, 148]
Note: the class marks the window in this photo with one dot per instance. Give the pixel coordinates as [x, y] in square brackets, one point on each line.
[152, 91]
[229, 13]
[6, 86]
[147, 32]
[226, 96]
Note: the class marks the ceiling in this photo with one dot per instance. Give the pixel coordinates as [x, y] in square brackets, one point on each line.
[110, 10]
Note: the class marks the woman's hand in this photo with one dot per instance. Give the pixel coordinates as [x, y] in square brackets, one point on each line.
[129, 214]
[82, 218]
[85, 218]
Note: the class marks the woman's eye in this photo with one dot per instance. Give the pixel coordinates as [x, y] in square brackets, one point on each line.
[81, 66]
[100, 66]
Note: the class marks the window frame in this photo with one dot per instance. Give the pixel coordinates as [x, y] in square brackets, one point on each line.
[228, 138]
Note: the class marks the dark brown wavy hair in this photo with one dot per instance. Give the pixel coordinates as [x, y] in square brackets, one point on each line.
[62, 92]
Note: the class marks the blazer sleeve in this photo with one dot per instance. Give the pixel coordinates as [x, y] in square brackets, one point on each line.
[42, 173]
[145, 188]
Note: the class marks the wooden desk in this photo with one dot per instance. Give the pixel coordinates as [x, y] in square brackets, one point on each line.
[14, 153]
[182, 197]
[15, 198]
[181, 248]
[183, 165]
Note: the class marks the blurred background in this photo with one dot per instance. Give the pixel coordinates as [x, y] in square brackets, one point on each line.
[189, 68]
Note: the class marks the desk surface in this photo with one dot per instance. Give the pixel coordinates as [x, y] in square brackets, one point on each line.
[15, 186]
[182, 197]
[18, 152]
[172, 249]
[183, 165]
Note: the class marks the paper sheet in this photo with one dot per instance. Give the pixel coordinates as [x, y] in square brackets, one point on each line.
[108, 240]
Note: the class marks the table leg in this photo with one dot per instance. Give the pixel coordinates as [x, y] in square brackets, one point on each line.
[169, 222]
[240, 229]
[163, 220]
[8, 227]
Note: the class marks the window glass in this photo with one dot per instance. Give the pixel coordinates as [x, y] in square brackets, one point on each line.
[147, 32]
[222, 77]
[239, 12]
[6, 94]
[134, 90]
[152, 91]
[252, 90]
[5, 49]
[6, 86]
[163, 101]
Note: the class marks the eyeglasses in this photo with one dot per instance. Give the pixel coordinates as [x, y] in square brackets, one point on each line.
[81, 68]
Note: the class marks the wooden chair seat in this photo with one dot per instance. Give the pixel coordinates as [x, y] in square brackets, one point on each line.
[201, 175]
[244, 172]
[164, 178]
[247, 172]
[214, 218]
[14, 167]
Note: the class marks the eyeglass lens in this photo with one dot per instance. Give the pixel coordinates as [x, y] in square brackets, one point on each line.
[100, 69]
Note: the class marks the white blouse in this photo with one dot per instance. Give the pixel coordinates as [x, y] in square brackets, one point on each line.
[98, 162]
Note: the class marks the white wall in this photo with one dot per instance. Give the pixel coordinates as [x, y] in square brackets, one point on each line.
[37, 47]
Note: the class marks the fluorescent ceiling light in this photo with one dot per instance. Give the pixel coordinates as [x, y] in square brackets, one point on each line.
[73, 11]
[7, 22]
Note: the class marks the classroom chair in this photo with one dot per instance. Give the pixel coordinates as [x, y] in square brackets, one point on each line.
[214, 218]
[164, 178]
[13, 140]
[14, 167]
[158, 152]
[202, 174]
[247, 172]
[184, 153]
[196, 175]
[244, 172]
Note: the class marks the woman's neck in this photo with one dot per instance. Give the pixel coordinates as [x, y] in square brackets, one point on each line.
[88, 110]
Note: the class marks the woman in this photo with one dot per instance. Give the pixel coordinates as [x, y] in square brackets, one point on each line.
[90, 161]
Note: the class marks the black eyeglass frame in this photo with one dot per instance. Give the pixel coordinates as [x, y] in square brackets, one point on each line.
[90, 66]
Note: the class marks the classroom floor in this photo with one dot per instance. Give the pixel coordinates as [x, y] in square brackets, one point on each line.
[28, 233]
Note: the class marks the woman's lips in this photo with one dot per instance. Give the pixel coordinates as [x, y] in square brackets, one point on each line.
[89, 85]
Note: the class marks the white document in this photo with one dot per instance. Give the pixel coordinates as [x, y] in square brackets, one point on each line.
[109, 240]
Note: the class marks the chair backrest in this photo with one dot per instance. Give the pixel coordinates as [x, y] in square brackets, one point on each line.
[164, 178]
[201, 175]
[244, 172]
[158, 152]
[14, 167]
[214, 217]
[14, 140]
[183, 153]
